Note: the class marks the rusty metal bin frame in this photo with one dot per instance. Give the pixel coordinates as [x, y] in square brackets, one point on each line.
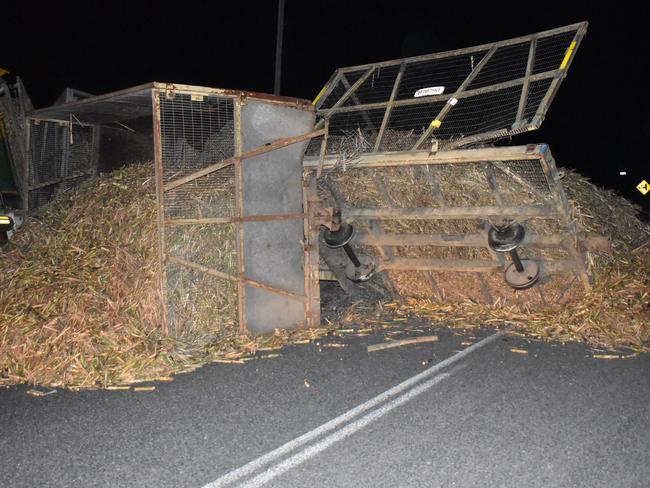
[311, 298]
[552, 205]
[143, 102]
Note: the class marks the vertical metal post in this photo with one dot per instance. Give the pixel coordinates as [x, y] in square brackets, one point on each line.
[96, 138]
[278, 48]
[24, 191]
[312, 260]
[160, 205]
[550, 170]
[239, 212]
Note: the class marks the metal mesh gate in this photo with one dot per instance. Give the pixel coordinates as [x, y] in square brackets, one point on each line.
[234, 241]
[457, 98]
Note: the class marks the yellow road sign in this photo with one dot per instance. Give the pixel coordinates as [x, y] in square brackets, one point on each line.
[643, 187]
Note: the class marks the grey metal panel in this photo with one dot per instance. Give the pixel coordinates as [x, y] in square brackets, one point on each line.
[272, 184]
[266, 311]
[274, 254]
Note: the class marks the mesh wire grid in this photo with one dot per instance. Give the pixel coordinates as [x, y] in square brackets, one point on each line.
[48, 140]
[195, 132]
[459, 184]
[446, 72]
[493, 75]
[530, 170]
[58, 162]
[376, 88]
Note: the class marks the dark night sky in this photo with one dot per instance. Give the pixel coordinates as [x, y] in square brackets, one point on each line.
[599, 122]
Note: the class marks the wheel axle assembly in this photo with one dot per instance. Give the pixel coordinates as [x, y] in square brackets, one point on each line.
[521, 273]
[360, 268]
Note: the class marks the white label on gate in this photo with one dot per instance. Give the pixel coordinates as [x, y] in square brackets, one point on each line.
[432, 90]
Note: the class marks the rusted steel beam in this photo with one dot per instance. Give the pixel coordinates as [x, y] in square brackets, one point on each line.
[226, 276]
[312, 255]
[467, 265]
[424, 264]
[160, 205]
[450, 240]
[323, 149]
[443, 240]
[279, 144]
[225, 92]
[239, 212]
[553, 179]
[429, 213]
[473, 49]
[413, 158]
[441, 98]
[233, 220]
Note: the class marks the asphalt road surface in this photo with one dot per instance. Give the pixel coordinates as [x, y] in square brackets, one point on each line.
[447, 413]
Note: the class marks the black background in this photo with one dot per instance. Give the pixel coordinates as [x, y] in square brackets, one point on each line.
[599, 122]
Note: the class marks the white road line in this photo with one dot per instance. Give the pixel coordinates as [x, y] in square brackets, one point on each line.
[271, 456]
[339, 435]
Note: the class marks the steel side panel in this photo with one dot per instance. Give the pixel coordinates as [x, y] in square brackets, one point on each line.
[267, 311]
[274, 254]
[272, 184]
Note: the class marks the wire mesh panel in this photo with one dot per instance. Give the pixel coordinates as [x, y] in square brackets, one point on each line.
[195, 132]
[60, 157]
[273, 250]
[14, 105]
[457, 98]
[232, 225]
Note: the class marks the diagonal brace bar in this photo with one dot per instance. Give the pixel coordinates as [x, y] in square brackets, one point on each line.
[227, 276]
[435, 123]
[523, 100]
[279, 144]
[349, 92]
[389, 107]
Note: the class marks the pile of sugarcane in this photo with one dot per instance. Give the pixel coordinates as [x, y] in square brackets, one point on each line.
[81, 306]
[614, 313]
